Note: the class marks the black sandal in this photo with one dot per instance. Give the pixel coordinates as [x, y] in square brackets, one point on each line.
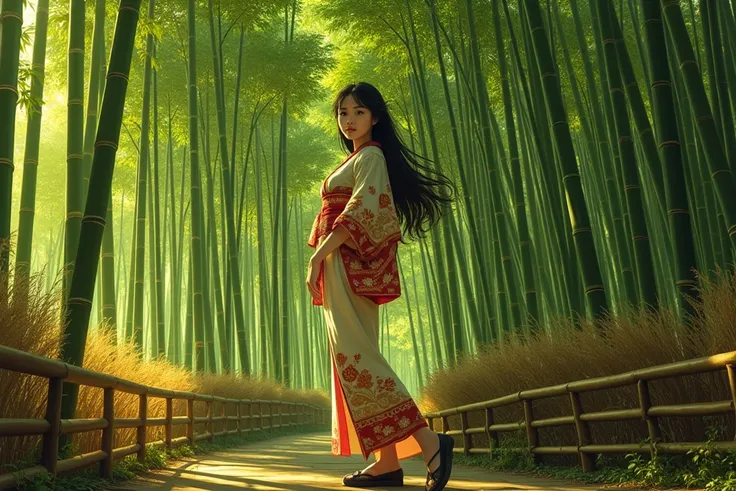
[359, 480]
[437, 480]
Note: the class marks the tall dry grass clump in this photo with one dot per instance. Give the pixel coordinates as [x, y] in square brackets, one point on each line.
[34, 327]
[637, 339]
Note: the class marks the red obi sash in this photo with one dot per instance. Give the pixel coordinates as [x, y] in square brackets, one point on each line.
[375, 277]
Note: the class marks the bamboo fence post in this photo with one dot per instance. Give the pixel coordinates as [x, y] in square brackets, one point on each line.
[445, 424]
[142, 415]
[238, 413]
[50, 453]
[108, 433]
[281, 415]
[732, 384]
[169, 416]
[210, 429]
[260, 419]
[467, 442]
[532, 434]
[250, 413]
[645, 402]
[430, 423]
[225, 426]
[583, 431]
[492, 435]
[190, 424]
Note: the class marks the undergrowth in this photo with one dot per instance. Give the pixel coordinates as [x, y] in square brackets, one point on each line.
[157, 457]
[701, 468]
[33, 326]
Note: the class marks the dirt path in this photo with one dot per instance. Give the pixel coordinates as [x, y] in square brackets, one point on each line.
[304, 462]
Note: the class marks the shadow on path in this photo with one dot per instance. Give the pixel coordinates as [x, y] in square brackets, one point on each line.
[305, 463]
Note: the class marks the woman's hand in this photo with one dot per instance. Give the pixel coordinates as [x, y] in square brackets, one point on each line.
[312, 275]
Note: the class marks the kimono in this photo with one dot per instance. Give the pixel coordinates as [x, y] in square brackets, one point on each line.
[371, 408]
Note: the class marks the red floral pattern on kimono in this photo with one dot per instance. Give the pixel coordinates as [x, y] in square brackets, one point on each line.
[366, 211]
[382, 415]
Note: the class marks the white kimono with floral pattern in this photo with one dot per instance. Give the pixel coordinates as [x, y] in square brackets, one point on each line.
[371, 408]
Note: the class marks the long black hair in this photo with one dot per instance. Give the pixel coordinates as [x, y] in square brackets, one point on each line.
[419, 192]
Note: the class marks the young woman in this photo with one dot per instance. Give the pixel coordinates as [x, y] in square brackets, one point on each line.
[378, 188]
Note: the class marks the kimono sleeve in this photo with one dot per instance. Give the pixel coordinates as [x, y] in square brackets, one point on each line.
[370, 216]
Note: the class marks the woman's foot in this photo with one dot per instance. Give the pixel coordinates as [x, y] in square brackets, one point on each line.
[431, 450]
[437, 478]
[379, 467]
[378, 474]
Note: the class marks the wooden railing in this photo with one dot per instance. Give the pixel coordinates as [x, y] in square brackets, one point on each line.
[52, 426]
[586, 449]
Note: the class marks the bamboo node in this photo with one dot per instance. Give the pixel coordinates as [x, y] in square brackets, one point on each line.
[10, 15]
[691, 283]
[594, 288]
[78, 301]
[580, 230]
[94, 219]
[679, 211]
[665, 83]
[640, 237]
[7, 162]
[669, 143]
[726, 170]
[9, 88]
[117, 75]
[74, 214]
[105, 143]
[26, 210]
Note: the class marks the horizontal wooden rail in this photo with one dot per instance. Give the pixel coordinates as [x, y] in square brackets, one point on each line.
[585, 448]
[57, 372]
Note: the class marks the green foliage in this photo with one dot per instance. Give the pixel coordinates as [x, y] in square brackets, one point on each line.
[703, 467]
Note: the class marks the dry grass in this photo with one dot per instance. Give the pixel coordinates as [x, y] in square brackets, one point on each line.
[35, 328]
[636, 340]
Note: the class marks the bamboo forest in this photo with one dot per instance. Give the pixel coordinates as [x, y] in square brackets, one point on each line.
[161, 163]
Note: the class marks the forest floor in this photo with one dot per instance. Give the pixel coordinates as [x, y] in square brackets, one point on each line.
[304, 462]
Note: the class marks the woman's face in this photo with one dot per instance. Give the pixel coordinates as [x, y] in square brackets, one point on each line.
[356, 121]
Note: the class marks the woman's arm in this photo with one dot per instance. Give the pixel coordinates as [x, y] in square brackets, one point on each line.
[336, 238]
